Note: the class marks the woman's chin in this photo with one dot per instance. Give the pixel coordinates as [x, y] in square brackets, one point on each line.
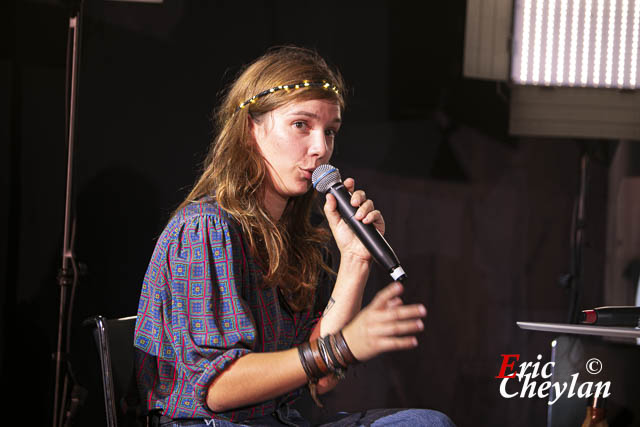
[301, 191]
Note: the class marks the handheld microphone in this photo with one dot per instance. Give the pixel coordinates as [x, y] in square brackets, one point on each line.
[612, 316]
[326, 178]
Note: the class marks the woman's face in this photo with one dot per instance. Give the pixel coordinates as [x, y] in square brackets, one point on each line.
[294, 139]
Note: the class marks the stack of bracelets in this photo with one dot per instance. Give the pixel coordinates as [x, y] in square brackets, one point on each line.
[324, 356]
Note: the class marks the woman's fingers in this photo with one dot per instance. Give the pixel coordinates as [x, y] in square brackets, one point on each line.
[350, 184]
[375, 218]
[403, 312]
[394, 302]
[365, 208]
[391, 329]
[358, 198]
[397, 343]
[365, 212]
[385, 324]
[331, 210]
[397, 319]
[330, 202]
[386, 294]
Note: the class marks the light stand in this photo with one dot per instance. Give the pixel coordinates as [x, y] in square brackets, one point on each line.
[573, 280]
[68, 273]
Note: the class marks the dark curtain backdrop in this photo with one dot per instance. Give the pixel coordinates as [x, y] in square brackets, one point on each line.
[480, 220]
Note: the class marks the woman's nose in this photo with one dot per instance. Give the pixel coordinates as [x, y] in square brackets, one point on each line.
[319, 144]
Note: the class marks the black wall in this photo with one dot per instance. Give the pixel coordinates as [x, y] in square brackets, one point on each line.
[481, 220]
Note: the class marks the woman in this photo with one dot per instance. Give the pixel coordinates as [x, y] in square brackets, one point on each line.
[226, 331]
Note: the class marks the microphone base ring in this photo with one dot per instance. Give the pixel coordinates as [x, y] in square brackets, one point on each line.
[398, 274]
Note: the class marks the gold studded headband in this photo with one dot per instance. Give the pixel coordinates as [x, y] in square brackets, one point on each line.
[305, 83]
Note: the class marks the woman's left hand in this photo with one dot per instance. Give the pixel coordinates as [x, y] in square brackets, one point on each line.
[348, 243]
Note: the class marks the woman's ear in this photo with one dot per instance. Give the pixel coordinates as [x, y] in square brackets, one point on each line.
[256, 127]
[252, 126]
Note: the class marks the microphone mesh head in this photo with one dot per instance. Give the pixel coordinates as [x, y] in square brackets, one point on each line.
[324, 176]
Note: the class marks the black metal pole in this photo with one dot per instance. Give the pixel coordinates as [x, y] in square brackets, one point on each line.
[578, 239]
[66, 275]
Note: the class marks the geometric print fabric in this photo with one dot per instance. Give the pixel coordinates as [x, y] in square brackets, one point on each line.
[202, 307]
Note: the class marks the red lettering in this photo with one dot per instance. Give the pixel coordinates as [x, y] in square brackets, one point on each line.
[505, 365]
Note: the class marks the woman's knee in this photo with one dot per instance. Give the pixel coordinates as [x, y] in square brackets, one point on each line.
[415, 417]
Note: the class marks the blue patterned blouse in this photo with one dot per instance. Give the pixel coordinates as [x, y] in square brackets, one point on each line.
[201, 308]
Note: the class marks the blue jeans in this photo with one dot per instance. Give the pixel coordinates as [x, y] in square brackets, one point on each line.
[376, 418]
[391, 417]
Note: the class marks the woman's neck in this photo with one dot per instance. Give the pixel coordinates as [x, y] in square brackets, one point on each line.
[275, 204]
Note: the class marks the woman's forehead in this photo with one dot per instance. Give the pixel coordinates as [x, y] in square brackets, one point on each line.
[319, 107]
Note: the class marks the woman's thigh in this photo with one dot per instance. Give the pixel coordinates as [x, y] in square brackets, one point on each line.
[390, 417]
[372, 417]
[415, 417]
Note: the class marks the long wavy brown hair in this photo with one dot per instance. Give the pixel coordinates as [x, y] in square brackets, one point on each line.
[291, 249]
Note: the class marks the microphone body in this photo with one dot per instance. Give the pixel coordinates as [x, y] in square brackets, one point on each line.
[612, 316]
[325, 181]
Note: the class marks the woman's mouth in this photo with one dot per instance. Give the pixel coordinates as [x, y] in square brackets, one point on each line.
[306, 173]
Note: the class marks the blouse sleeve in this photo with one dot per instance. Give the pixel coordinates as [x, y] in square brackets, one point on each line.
[191, 315]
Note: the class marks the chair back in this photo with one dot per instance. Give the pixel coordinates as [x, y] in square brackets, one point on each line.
[114, 340]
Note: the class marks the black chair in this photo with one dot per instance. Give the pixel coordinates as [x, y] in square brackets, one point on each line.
[114, 340]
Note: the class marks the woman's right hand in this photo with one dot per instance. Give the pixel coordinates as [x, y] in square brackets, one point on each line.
[386, 324]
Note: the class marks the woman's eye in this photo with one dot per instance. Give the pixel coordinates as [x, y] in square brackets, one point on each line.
[300, 125]
[330, 132]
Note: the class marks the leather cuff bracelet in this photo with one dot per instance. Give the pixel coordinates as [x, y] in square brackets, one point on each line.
[323, 356]
[344, 349]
